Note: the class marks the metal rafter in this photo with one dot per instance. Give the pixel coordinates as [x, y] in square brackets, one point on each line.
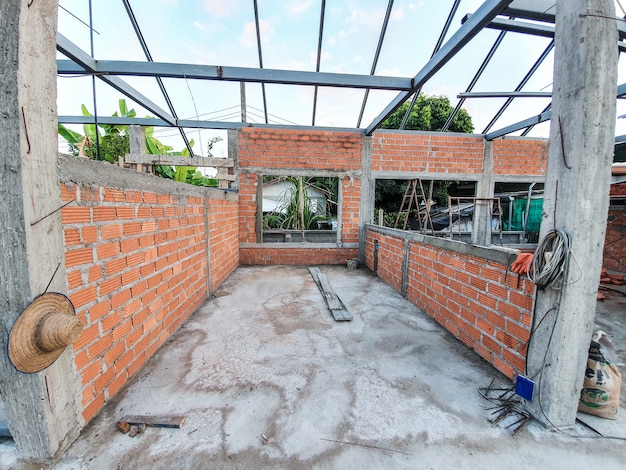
[69, 49]
[477, 75]
[485, 13]
[532, 121]
[258, 43]
[442, 36]
[521, 85]
[506, 94]
[146, 51]
[379, 46]
[319, 57]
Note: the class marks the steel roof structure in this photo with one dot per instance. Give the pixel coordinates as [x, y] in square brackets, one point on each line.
[516, 17]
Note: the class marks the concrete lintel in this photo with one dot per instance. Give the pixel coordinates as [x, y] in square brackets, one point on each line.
[496, 254]
[518, 178]
[291, 246]
[296, 172]
[410, 175]
[84, 171]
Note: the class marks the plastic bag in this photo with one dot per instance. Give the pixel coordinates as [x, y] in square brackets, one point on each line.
[601, 387]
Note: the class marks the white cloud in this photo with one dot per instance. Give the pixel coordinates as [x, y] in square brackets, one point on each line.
[326, 56]
[397, 14]
[295, 8]
[413, 6]
[248, 36]
[221, 8]
[331, 41]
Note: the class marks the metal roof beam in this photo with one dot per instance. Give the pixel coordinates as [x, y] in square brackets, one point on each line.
[258, 43]
[442, 36]
[521, 84]
[544, 116]
[146, 51]
[379, 46]
[88, 64]
[233, 74]
[191, 123]
[538, 10]
[537, 29]
[506, 94]
[319, 57]
[519, 125]
[485, 13]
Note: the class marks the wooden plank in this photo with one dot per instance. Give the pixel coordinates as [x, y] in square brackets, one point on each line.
[154, 421]
[334, 303]
[179, 161]
[327, 291]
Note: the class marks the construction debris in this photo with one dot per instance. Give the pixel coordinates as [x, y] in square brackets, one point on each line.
[136, 424]
[508, 410]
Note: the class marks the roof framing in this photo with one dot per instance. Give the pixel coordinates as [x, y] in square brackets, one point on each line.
[532, 17]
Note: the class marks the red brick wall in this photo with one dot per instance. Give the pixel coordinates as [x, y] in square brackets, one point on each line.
[615, 241]
[434, 153]
[473, 298]
[299, 149]
[136, 266]
[520, 156]
[223, 240]
[292, 151]
[290, 255]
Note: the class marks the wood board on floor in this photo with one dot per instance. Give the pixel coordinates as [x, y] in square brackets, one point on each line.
[334, 303]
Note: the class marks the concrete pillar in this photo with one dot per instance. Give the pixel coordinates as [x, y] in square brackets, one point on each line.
[368, 193]
[481, 227]
[43, 409]
[576, 201]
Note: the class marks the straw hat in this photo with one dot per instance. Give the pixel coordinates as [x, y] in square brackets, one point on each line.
[42, 332]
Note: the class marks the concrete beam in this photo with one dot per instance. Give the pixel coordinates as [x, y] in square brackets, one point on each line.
[576, 201]
[43, 409]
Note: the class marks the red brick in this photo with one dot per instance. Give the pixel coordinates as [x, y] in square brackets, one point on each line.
[83, 296]
[120, 298]
[78, 257]
[75, 215]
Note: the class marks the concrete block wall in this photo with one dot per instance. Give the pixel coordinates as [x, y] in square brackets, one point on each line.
[137, 266]
[466, 289]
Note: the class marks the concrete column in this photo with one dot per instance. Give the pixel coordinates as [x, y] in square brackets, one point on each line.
[576, 200]
[43, 409]
[481, 227]
[368, 193]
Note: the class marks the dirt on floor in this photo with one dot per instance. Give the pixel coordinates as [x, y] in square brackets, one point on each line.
[265, 378]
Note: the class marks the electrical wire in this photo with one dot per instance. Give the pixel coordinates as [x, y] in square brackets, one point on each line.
[551, 260]
[549, 267]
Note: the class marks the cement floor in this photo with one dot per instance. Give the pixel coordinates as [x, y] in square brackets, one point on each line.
[267, 379]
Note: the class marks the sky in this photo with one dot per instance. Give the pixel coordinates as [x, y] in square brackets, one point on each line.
[222, 32]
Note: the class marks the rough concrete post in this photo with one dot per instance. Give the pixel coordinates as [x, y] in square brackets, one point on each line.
[137, 141]
[368, 193]
[481, 227]
[576, 200]
[43, 409]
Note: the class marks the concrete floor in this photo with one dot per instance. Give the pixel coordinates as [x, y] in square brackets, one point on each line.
[266, 379]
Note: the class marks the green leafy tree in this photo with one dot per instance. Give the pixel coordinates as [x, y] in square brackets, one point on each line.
[430, 113]
[114, 142]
